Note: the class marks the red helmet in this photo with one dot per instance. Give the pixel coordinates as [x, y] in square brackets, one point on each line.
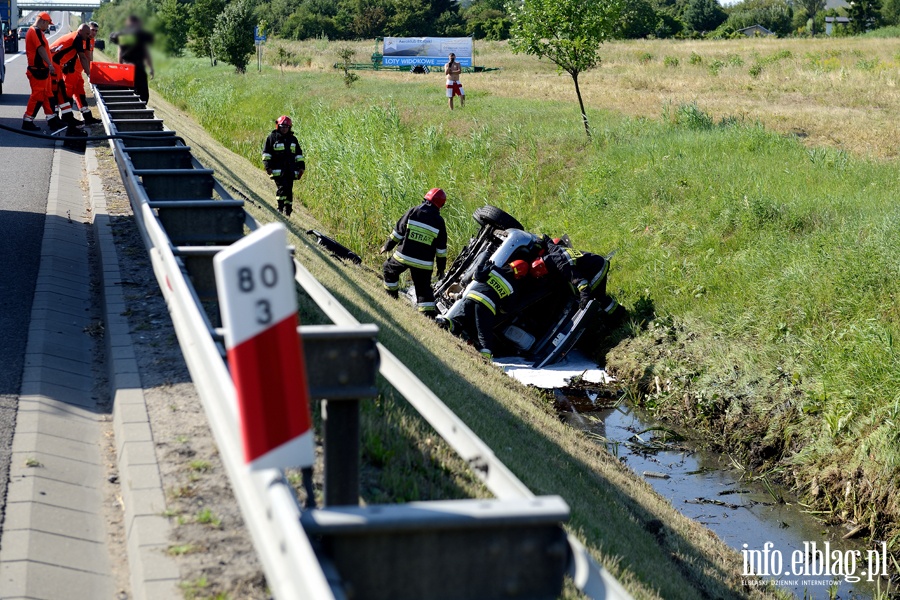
[538, 268]
[519, 268]
[284, 120]
[557, 241]
[436, 196]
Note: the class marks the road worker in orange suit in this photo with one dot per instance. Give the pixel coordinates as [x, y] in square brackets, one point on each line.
[284, 162]
[72, 54]
[40, 73]
[67, 51]
[491, 288]
[421, 240]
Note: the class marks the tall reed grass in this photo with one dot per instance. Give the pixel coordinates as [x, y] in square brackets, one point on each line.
[780, 256]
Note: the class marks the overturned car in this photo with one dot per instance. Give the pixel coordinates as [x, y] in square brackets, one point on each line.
[544, 319]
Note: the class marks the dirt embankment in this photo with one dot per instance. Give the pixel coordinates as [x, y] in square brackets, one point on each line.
[761, 418]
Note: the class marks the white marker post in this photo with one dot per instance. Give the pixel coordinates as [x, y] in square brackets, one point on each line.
[258, 303]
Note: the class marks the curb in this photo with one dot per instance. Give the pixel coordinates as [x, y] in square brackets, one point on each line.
[153, 573]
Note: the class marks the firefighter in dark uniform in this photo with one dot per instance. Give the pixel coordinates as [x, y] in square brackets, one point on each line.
[40, 76]
[491, 287]
[284, 162]
[421, 240]
[584, 272]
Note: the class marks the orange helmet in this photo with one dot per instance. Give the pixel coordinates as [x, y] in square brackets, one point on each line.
[557, 241]
[538, 268]
[519, 268]
[436, 196]
[284, 120]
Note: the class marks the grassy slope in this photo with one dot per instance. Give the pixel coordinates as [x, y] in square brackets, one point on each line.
[617, 515]
[770, 263]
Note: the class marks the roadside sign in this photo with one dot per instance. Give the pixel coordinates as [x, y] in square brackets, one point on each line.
[258, 303]
[258, 36]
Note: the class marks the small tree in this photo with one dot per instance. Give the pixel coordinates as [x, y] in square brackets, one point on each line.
[704, 15]
[232, 38]
[283, 56]
[174, 22]
[567, 32]
[203, 19]
[346, 54]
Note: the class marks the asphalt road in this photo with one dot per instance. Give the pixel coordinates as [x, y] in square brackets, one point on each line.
[24, 183]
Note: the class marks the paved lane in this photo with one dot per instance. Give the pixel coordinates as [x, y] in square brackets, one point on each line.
[24, 184]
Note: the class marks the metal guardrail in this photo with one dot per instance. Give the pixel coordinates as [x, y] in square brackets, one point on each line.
[182, 227]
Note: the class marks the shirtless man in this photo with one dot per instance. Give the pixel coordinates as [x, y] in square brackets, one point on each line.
[454, 88]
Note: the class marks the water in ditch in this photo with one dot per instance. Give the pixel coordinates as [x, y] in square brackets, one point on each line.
[777, 539]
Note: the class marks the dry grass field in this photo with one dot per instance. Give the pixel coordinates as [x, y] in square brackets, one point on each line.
[842, 93]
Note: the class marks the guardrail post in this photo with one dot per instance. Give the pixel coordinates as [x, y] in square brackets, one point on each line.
[340, 424]
[342, 366]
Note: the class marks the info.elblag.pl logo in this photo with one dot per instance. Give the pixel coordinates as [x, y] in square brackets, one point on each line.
[816, 560]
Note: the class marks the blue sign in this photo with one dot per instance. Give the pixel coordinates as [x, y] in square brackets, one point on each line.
[427, 51]
[258, 37]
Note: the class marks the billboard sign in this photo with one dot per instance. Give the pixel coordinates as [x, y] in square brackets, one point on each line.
[428, 51]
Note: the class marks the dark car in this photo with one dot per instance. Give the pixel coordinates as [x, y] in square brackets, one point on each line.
[542, 321]
[52, 27]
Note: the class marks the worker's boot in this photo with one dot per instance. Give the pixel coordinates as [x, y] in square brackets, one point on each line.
[71, 120]
[393, 293]
[55, 124]
[90, 119]
[281, 206]
[29, 125]
[288, 209]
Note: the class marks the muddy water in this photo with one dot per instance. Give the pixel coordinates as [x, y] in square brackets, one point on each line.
[744, 512]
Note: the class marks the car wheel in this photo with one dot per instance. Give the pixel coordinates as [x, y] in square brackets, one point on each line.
[494, 217]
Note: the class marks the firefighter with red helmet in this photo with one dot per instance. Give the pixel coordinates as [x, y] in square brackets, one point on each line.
[491, 288]
[583, 271]
[421, 240]
[284, 162]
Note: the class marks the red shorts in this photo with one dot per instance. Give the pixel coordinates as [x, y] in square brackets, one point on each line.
[454, 88]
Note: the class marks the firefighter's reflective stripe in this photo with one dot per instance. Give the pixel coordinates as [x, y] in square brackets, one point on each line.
[427, 306]
[609, 308]
[499, 284]
[392, 285]
[477, 297]
[599, 276]
[413, 262]
[581, 285]
[276, 172]
[440, 252]
[396, 236]
[572, 255]
[278, 146]
[298, 158]
[421, 232]
[267, 156]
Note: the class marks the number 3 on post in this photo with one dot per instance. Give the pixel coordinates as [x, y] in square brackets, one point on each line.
[258, 304]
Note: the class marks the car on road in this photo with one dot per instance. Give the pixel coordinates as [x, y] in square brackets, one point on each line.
[23, 31]
[542, 321]
[52, 27]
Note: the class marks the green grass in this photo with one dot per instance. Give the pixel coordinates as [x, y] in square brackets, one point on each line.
[773, 264]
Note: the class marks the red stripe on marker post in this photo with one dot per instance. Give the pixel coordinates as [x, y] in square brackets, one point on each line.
[258, 303]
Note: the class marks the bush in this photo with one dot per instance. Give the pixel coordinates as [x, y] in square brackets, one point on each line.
[696, 59]
[670, 61]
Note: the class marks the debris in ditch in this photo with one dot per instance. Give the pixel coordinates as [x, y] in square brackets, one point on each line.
[853, 532]
[656, 475]
[735, 491]
[702, 500]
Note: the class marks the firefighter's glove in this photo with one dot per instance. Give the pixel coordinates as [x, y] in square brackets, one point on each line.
[383, 249]
[298, 175]
[583, 302]
[440, 275]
